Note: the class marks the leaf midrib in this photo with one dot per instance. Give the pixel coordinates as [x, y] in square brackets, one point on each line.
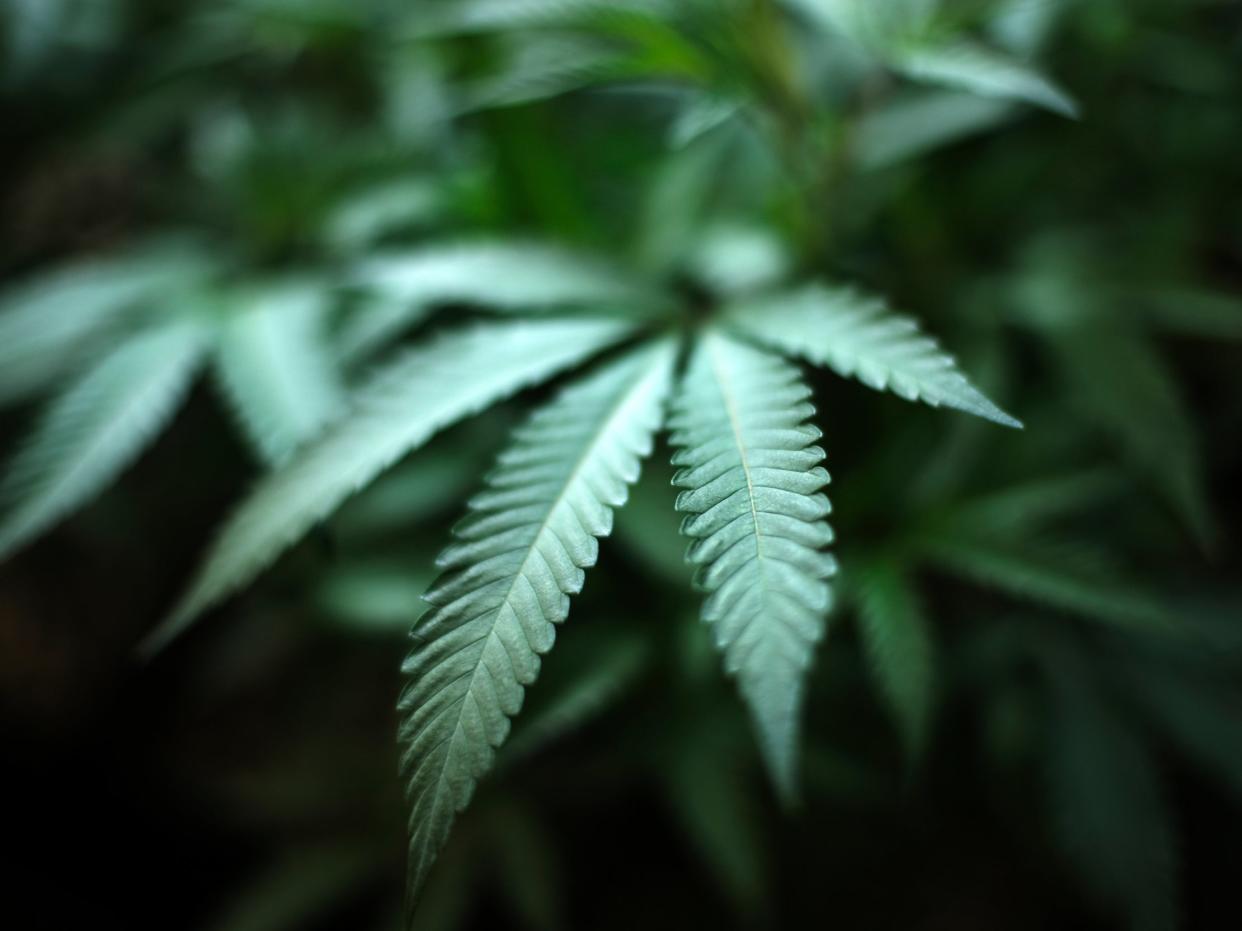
[626, 397]
[730, 405]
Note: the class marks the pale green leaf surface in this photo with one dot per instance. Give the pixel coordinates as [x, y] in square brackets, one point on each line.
[897, 638]
[980, 70]
[1024, 26]
[405, 404]
[912, 125]
[50, 322]
[856, 335]
[95, 429]
[499, 276]
[275, 366]
[518, 556]
[537, 67]
[465, 16]
[904, 35]
[753, 485]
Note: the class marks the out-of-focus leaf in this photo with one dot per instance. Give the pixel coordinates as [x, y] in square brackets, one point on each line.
[1016, 511]
[276, 367]
[96, 428]
[1190, 312]
[381, 595]
[904, 35]
[529, 871]
[1077, 579]
[425, 487]
[464, 16]
[616, 664]
[380, 209]
[1198, 713]
[501, 276]
[538, 67]
[706, 782]
[51, 323]
[1109, 810]
[402, 407]
[734, 259]
[983, 71]
[912, 125]
[698, 116]
[680, 195]
[298, 887]
[897, 637]
[1130, 393]
[1023, 26]
[647, 527]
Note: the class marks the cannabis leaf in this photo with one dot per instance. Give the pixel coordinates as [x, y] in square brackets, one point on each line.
[905, 36]
[403, 405]
[1111, 815]
[276, 368]
[1076, 579]
[518, 556]
[753, 484]
[858, 336]
[502, 276]
[915, 124]
[96, 428]
[53, 321]
[897, 639]
[971, 67]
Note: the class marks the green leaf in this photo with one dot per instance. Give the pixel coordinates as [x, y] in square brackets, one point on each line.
[856, 335]
[1110, 813]
[51, 322]
[1198, 712]
[499, 276]
[710, 794]
[617, 663]
[465, 16]
[1023, 26]
[274, 364]
[897, 638]
[912, 125]
[1031, 505]
[753, 484]
[1075, 579]
[536, 67]
[905, 36]
[93, 431]
[405, 404]
[967, 66]
[518, 556]
[1131, 394]
[1188, 311]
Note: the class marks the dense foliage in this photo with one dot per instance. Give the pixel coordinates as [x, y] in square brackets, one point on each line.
[536, 261]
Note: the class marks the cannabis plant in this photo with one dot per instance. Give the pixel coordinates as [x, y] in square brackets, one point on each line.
[354, 307]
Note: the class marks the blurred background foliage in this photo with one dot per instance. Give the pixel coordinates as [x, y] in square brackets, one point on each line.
[1028, 713]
